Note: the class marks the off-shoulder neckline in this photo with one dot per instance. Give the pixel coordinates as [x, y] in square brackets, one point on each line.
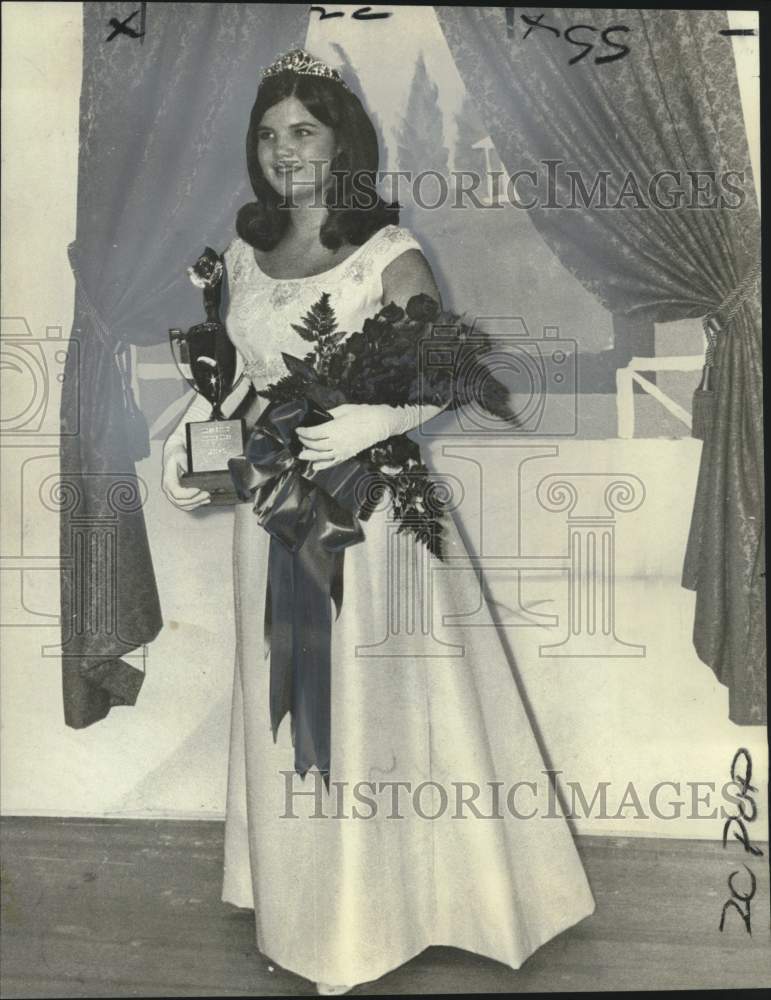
[320, 274]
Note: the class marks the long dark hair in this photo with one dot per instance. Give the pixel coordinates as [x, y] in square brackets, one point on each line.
[355, 209]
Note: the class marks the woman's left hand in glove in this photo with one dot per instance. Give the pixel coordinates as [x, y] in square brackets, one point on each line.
[354, 427]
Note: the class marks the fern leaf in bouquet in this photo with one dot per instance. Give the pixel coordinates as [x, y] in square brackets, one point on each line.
[319, 322]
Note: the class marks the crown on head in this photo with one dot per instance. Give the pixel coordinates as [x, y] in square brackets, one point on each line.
[304, 64]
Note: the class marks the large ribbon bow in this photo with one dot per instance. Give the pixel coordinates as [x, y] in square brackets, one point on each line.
[311, 518]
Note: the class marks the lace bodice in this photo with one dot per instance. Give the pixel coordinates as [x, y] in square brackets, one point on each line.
[261, 309]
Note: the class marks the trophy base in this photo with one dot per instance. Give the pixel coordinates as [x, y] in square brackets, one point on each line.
[219, 484]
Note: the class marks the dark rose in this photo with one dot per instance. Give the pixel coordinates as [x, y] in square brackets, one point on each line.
[370, 331]
[422, 308]
[356, 343]
[391, 313]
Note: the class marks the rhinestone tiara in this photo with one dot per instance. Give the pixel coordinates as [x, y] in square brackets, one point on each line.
[304, 64]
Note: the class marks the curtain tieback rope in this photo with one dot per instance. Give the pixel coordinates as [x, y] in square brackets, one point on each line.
[714, 322]
[716, 319]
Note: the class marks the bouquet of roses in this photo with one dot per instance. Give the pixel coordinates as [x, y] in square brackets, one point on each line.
[417, 355]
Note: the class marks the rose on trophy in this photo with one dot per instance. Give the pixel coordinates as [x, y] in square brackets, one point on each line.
[206, 357]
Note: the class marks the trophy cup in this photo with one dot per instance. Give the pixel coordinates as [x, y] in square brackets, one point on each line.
[206, 357]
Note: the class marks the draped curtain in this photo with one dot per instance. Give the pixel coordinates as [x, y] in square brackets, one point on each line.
[161, 174]
[671, 104]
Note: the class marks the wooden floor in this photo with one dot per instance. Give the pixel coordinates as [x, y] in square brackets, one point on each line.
[132, 908]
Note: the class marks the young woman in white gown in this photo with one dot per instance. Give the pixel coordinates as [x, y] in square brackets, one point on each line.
[345, 890]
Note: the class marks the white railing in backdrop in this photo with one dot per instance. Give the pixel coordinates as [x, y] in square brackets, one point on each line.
[626, 378]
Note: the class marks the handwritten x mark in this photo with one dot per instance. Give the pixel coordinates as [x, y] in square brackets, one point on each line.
[121, 28]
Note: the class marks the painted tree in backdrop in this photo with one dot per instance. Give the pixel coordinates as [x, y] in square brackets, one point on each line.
[421, 135]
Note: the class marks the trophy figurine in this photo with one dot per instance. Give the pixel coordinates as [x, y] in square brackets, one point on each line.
[206, 357]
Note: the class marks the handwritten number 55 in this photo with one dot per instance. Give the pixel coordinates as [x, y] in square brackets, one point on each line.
[588, 46]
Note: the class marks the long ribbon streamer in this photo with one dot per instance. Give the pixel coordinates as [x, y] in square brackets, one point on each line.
[312, 519]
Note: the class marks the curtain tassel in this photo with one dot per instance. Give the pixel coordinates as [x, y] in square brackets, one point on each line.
[702, 408]
[703, 405]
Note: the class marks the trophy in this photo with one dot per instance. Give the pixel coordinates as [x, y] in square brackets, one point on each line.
[206, 357]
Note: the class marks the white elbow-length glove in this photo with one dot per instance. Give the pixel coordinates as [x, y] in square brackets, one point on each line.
[356, 426]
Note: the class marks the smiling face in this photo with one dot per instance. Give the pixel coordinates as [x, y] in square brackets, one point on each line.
[295, 150]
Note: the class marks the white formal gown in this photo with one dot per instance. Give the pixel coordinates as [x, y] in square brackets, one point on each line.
[414, 699]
